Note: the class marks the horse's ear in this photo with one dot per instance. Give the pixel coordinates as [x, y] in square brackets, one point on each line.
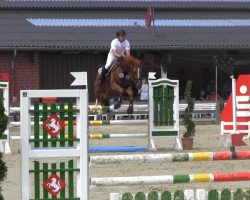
[137, 61]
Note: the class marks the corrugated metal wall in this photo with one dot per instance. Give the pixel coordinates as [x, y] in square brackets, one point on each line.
[55, 68]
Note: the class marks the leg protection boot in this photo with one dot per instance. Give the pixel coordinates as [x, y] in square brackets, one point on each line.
[104, 72]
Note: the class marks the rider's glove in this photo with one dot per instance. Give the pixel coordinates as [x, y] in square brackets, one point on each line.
[122, 57]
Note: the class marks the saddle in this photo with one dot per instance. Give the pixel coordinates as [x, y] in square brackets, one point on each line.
[109, 70]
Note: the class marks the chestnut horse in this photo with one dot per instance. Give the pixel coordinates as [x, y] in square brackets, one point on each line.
[124, 78]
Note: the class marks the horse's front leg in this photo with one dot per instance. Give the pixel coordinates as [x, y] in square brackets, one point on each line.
[130, 93]
[119, 90]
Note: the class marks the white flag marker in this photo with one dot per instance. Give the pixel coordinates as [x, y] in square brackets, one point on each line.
[80, 78]
[151, 75]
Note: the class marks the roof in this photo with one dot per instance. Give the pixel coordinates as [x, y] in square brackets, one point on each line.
[170, 4]
[91, 25]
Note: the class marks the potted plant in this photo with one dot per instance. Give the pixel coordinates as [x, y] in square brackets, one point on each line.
[187, 139]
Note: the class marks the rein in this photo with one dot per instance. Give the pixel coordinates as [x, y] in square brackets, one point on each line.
[130, 72]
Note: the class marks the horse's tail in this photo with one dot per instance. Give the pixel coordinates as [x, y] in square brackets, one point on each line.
[101, 92]
[97, 86]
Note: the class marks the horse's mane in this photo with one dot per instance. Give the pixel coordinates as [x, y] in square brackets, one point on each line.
[131, 61]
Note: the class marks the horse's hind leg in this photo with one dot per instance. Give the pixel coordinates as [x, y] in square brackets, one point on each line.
[130, 93]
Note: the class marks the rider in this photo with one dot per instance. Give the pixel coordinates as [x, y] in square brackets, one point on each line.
[119, 47]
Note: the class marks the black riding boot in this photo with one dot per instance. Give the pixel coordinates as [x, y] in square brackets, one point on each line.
[103, 74]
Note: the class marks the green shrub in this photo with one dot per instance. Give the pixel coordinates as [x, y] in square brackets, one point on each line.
[187, 117]
[3, 126]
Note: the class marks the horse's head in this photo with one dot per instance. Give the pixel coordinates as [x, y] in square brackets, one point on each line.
[134, 65]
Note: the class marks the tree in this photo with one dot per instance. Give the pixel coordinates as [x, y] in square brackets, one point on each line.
[3, 126]
[3, 118]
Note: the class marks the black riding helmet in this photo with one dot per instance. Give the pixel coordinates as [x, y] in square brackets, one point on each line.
[120, 33]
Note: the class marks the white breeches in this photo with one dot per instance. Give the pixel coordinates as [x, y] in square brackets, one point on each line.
[110, 60]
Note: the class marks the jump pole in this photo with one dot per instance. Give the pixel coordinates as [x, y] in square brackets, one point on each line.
[100, 122]
[117, 122]
[111, 108]
[118, 135]
[99, 136]
[164, 158]
[95, 108]
[171, 179]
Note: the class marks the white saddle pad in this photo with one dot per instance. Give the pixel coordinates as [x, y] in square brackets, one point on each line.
[100, 70]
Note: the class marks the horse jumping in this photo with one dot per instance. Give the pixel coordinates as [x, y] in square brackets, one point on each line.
[124, 78]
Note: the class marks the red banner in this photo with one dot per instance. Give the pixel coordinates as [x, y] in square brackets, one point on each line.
[4, 76]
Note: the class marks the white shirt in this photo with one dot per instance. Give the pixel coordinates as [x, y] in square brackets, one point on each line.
[120, 47]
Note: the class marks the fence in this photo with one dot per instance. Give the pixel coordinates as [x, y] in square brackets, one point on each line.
[65, 178]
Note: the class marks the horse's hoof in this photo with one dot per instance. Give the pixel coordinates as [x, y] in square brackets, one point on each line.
[130, 110]
[117, 105]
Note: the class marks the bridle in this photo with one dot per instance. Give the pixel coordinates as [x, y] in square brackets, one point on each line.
[133, 79]
[138, 77]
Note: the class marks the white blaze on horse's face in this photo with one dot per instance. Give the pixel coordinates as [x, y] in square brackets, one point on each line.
[136, 73]
[137, 77]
